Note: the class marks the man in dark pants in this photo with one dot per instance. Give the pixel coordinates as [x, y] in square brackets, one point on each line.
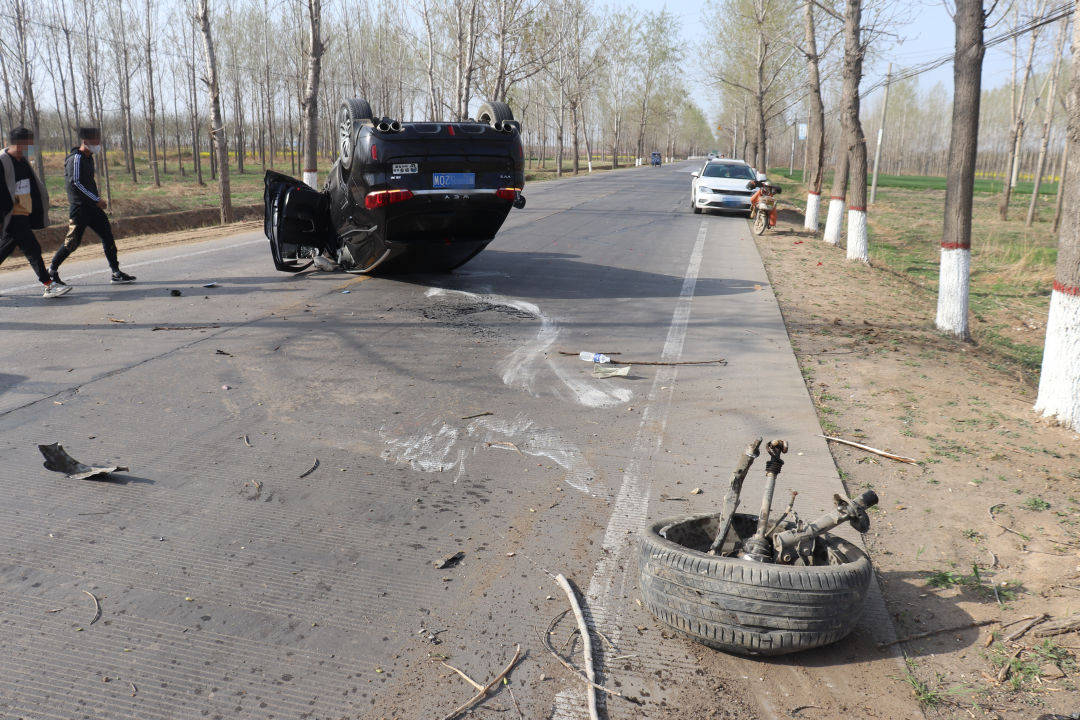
[22, 207]
[87, 207]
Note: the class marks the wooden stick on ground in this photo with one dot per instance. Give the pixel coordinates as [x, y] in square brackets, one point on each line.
[928, 633]
[483, 692]
[97, 606]
[546, 640]
[867, 448]
[1059, 627]
[1030, 624]
[468, 679]
[586, 642]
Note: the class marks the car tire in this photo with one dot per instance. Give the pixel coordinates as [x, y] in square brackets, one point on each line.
[745, 607]
[493, 113]
[693, 204]
[351, 113]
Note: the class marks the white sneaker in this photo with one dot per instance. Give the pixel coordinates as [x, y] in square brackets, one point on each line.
[54, 290]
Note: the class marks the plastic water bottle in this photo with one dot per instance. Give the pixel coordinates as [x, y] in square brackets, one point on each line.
[597, 358]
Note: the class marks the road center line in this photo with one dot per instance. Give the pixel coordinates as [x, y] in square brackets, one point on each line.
[144, 262]
[606, 588]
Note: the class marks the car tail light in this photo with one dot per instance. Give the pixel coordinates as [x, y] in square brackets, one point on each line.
[508, 194]
[382, 198]
[374, 152]
[450, 128]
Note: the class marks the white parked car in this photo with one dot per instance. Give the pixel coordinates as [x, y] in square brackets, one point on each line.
[723, 185]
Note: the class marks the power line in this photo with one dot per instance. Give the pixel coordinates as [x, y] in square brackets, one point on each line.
[1061, 11]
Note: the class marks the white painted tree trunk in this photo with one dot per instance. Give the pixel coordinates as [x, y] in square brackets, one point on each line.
[858, 243]
[311, 179]
[833, 221]
[813, 202]
[1059, 383]
[952, 309]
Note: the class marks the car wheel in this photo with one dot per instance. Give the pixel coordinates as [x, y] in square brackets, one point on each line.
[693, 204]
[495, 113]
[746, 607]
[351, 112]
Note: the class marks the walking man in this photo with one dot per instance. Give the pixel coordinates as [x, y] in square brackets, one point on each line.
[22, 207]
[87, 207]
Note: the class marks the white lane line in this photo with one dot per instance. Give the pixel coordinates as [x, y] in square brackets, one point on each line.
[144, 262]
[614, 571]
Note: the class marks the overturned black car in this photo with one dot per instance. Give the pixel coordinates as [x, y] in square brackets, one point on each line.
[401, 197]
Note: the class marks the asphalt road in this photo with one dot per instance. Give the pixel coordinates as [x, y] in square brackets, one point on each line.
[232, 587]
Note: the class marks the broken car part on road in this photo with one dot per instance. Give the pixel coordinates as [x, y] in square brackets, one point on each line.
[730, 581]
[57, 460]
[401, 197]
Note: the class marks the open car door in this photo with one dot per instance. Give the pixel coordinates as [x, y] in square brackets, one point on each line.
[296, 218]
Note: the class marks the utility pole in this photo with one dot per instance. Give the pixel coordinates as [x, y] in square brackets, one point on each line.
[880, 132]
[791, 160]
[806, 150]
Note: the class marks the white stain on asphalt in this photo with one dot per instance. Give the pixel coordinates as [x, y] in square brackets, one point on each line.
[439, 447]
[522, 367]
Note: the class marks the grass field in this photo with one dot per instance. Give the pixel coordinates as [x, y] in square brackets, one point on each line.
[1012, 266]
[926, 182]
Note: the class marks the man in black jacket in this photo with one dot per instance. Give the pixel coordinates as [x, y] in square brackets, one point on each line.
[23, 208]
[87, 207]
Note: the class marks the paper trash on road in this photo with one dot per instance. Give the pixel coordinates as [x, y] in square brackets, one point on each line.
[608, 372]
[57, 459]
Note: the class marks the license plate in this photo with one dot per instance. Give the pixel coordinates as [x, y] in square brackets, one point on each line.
[453, 180]
[732, 201]
[406, 169]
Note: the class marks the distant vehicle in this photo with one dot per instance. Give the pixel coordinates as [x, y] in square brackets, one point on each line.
[723, 185]
[712, 155]
[655, 159]
[401, 197]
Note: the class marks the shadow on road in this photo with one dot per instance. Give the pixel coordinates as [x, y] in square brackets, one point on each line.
[563, 276]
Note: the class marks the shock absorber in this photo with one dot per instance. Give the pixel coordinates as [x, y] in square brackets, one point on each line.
[757, 548]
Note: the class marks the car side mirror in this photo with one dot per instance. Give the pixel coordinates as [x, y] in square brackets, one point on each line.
[695, 174]
[751, 184]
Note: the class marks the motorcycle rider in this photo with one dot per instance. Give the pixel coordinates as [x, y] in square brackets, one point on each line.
[86, 207]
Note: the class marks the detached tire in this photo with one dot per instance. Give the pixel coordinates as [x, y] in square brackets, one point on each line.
[494, 112]
[351, 113]
[744, 607]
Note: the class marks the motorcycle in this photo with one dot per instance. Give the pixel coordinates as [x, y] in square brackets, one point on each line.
[763, 209]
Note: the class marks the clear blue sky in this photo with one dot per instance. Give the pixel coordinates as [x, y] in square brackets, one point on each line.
[927, 35]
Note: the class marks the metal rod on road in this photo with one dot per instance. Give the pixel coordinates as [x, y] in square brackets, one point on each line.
[758, 548]
[880, 132]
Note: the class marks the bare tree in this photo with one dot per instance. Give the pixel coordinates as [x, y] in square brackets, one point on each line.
[151, 111]
[218, 136]
[310, 100]
[952, 307]
[1059, 383]
[854, 51]
[815, 136]
[1016, 134]
[1048, 118]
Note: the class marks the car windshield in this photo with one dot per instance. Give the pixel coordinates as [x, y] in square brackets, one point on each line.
[728, 170]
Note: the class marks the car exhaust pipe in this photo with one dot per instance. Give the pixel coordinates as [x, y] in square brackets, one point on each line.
[395, 125]
[388, 125]
[506, 126]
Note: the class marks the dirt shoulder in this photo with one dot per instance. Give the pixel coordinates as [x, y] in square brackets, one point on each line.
[91, 248]
[880, 374]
